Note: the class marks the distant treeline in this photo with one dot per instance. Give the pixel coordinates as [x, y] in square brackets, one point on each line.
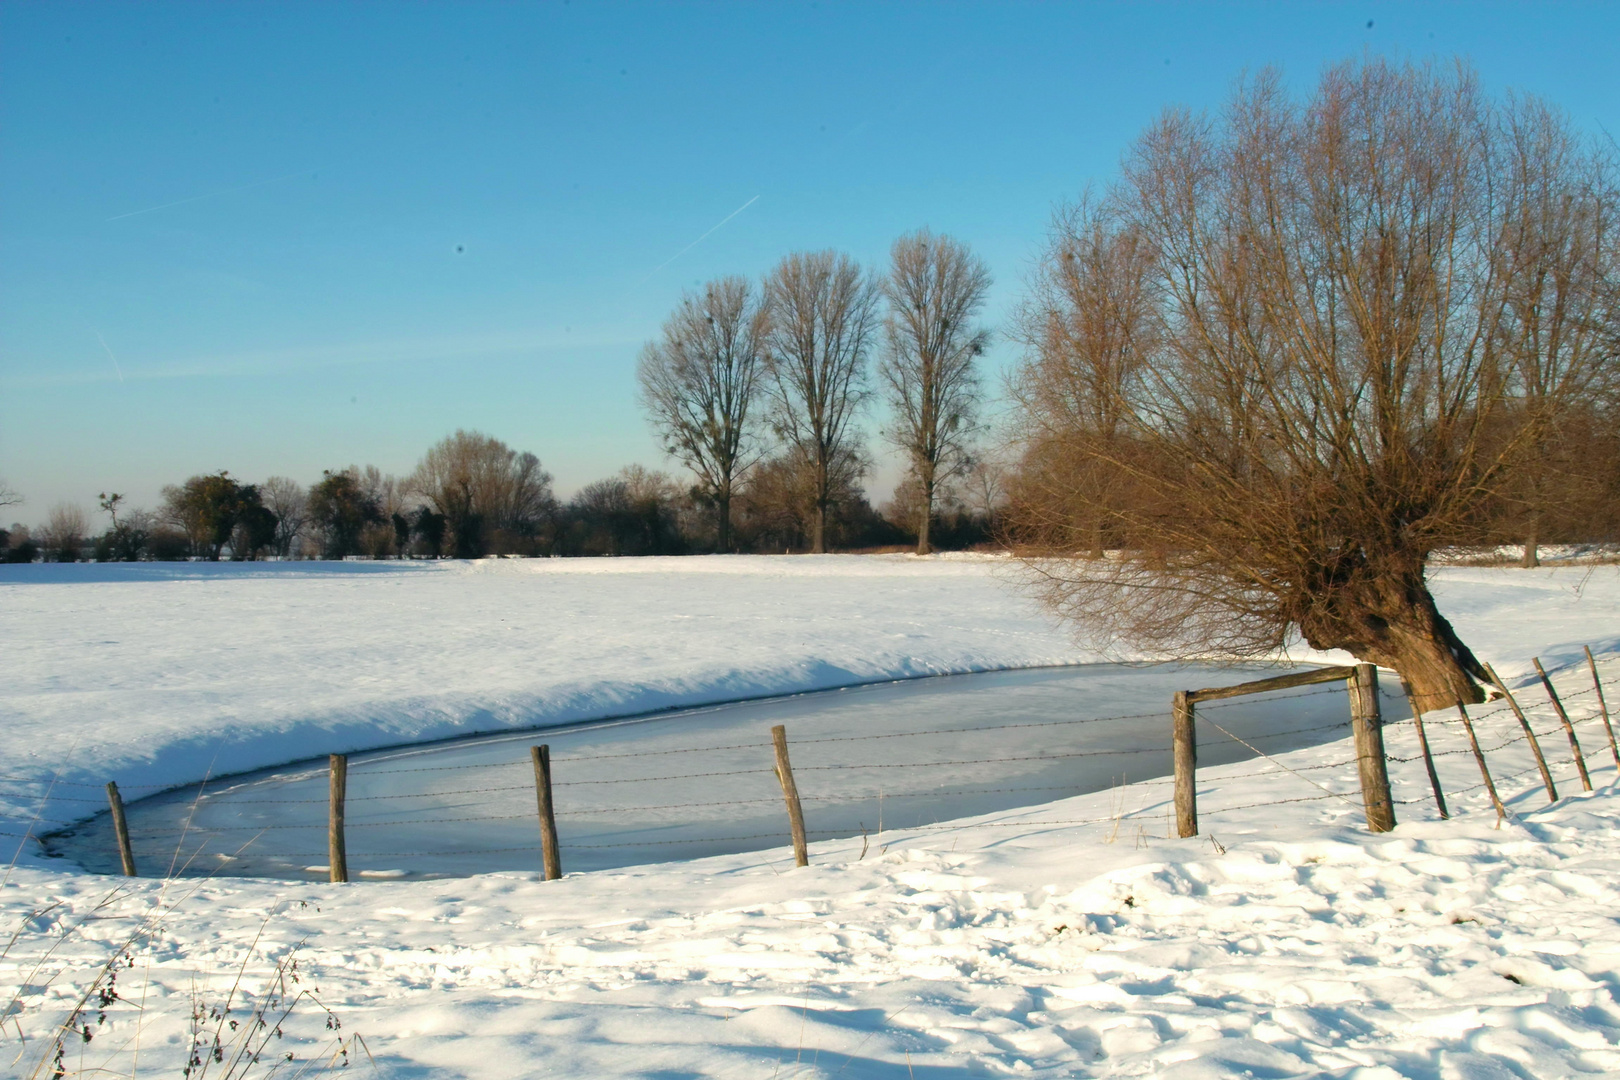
[470, 496]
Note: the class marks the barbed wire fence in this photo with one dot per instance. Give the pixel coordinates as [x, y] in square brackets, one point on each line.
[870, 788]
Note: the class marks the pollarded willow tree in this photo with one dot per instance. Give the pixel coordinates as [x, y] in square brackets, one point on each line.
[1357, 318]
[699, 385]
[935, 289]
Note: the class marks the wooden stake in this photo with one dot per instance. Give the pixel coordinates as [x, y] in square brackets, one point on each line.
[121, 828]
[1535, 746]
[1479, 756]
[1423, 743]
[1186, 761]
[1569, 728]
[550, 854]
[1367, 721]
[1597, 684]
[337, 854]
[790, 795]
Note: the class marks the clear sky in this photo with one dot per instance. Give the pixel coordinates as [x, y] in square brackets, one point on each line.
[277, 238]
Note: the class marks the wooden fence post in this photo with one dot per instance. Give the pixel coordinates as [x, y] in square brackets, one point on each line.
[1597, 684]
[1367, 721]
[1479, 756]
[1569, 728]
[337, 854]
[1423, 744]
[1185, 744]
[790, 795]
[121, 828]
[1529, 733]
[550, 855]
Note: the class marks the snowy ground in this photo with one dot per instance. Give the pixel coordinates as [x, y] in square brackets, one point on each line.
[1071, 939]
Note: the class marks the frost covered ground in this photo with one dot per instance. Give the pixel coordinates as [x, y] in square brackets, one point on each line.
[1069, 939]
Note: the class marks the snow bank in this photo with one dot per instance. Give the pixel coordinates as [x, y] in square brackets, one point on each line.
[159, 674]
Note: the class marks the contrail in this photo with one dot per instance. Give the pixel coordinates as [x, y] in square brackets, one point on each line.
[209, 195]
[110, 355]
[700, 239]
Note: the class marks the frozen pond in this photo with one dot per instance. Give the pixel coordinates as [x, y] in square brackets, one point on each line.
[680, 785]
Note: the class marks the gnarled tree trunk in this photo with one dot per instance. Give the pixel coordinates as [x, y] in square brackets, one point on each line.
[1390, 619]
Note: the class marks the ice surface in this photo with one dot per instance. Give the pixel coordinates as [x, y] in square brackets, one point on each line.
[700, 782]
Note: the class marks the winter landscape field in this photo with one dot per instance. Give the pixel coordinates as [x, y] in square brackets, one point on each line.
[1072, 937]
[816, 540]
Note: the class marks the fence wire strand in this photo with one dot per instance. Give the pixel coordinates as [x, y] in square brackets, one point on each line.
[1493, 715]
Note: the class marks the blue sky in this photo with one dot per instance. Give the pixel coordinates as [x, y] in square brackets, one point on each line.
[277, 238]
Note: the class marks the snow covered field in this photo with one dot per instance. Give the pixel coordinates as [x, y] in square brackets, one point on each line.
[1069, 939]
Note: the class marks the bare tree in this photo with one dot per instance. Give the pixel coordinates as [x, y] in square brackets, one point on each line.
[1334, 366]
[1554, 239]
[1085, 325]
[699, 383]
[778, 507]
[935, 288]
[289, 502]
[822, 313]
[483, 488]
[65, 529]
[8, 497]
[381, 539]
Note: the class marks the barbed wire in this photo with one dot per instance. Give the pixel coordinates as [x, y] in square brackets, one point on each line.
[659, 779]
[932, 793]
[952, 826]
[845, 799]
[80, 783]
[777, 835]
[864, 738]
[1273, 802]
[359, 766]
[1503, 778]
[987, 727]
[1489, 715]
[669, 806]
[983, 761]
[49, 797]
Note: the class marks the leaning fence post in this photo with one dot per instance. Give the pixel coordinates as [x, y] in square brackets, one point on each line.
[121, 828]
[1367, 721]
[337, 855]
[1423, 744]
[1569, 728]
[790, 795]
[1479, 756]
[550, 855]
[1603, 706]
[1186, 763]
[1529, 733]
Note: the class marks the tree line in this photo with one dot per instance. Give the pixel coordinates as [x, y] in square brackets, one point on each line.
[470, 496]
